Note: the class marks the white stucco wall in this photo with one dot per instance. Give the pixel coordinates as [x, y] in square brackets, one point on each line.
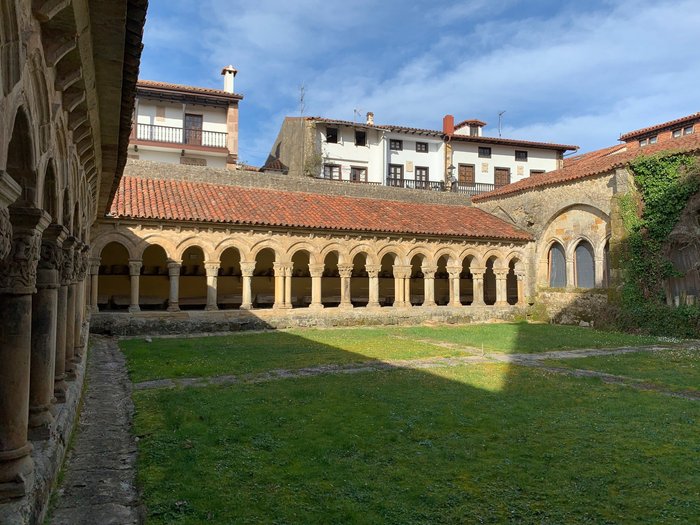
[434, 159]
[346, 154]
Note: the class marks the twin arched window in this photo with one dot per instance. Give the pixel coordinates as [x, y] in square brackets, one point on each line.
[584, 264]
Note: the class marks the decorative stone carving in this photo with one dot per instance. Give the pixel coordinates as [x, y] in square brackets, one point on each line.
[18, 270]
[51, 247]
[247, 269]
[429, 271]
[135, 268]
[5, 233]
[345, 270]
[373, 269]
[67, 261]
[316, 270]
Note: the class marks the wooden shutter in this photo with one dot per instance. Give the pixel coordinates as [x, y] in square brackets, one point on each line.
[466, 174]
[501, 177]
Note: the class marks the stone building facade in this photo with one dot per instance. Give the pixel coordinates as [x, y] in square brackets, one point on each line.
[67, 74]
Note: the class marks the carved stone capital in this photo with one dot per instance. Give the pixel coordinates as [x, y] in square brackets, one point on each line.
[520, 275]
[18, 270]
[212, 268]
[401, 271]
[94, 265]
[5, 233]
[135, 267]
[282, 269]
[247, 268]
[174, 268]
[345, 270]
[67, 263]
[316, 270]
[501, 273]
[51, 247]
[454, 271]
[428, 271]
[373, 269]
[477, 272]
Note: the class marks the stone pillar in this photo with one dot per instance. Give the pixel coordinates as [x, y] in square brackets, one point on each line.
[407, 287]
[70, 314]
[279, 285]
[174, 281]
[599, 272]
[501, 288]
[94, 280]
[454, 271]
[18, 272]
[65, 323]
[212, 270]
[373, 272]
[287, 271]
[134, 276]
[345, 271]
[247, 269]
[316, 271]
[400, 274]
[520, 276]
[44, 317]
[80, 273]
[429, 285]
[478, 286]
[570, 273]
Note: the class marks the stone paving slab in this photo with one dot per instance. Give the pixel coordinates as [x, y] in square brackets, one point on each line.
[98, 484]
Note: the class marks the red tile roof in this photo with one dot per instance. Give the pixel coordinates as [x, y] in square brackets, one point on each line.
[594, 163]
[179, 88]
[513, 142]
[657, 127]
[168, 199]
[470, 122]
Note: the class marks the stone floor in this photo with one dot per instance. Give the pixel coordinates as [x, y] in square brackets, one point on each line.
[99, 473]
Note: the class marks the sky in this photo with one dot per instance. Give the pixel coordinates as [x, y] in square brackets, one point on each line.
[573, 72]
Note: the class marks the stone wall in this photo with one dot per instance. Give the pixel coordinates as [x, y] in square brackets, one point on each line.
[575, 306]
[252, 179]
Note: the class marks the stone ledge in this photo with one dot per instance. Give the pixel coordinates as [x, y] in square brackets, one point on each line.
[191, 322]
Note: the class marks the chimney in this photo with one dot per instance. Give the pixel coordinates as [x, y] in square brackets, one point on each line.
[370, 118]
[229, 72]
[448, 124]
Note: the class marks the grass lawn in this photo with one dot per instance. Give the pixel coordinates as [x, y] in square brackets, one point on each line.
[488, 443]
[678, 368]
[256, 352]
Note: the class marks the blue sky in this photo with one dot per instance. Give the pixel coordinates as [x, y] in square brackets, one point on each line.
[570, 72]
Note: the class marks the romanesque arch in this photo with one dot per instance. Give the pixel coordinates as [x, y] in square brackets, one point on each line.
[154, 285]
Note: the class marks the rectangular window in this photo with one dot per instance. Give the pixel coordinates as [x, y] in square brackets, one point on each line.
[466, 174]
[422, 177]
[536, 172]
[521, 155]
[688, 130]
[677, 133]
[422, 147]
[360, 138]
[501, 177]
[396, 145]
[358, 174]
[484, 153]
[395, 175]
[644, 142]
[331, 171]
[332, 135]
[193, 129]
[653, 140]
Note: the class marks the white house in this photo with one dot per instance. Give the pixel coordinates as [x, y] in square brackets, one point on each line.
[185, 124]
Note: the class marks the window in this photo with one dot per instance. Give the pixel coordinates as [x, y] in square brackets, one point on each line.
[332, 135]
[193, 129]
[501, 177]
[358, 174]
[653, 140]
[536, 172]
[473, 131]
[677, 133]
[421, 177]
[484, 153]
[585, 267]
[395, 175]
[331, 171]
[396, 145]
[360, 138]
[557, 266]
[521, 155]
[688, 130]
[422, 147]
[466, 174]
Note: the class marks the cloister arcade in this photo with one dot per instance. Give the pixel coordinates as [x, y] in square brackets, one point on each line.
[135, 270]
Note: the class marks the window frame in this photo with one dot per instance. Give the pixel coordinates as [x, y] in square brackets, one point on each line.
[422, 147]
[484, 152]
[337, 135]
[390, 179]
[354, 169]
[473, 173]
[364, 139]
[502, 168]
[691, 128]
[396, 144]
[521, 152]
[537, 172]
[340, 171]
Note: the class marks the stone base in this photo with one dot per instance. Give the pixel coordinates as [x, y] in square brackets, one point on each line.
[59, 390]
[133, 309]
[173, 308]
[191, 322]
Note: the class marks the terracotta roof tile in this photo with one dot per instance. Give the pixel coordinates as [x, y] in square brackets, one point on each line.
[180, 88]
[593, 163]
[656, 127]
[167, 199]
[513, 142]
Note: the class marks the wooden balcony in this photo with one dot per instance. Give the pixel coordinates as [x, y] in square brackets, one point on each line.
[184, 138]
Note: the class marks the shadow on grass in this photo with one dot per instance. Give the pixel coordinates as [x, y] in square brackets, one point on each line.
[483, 443]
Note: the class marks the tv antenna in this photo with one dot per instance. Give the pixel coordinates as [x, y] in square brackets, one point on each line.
[356, 113]
[500, 119]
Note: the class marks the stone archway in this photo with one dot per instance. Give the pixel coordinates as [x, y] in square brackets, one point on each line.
[193, 280]
[330, 291]
[154, 283]
[229, 286]
[387, 287]
[359, 285]
[301, 279]
[263, 280]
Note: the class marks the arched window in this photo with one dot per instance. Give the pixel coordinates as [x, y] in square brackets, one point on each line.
[557, 266]
[585, 265]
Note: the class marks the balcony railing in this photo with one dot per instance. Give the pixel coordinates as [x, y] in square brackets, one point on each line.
[351, 181]
[188, 137]
[415, 184]
[474, 189]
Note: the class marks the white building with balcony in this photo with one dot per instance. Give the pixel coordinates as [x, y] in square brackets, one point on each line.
[185, 124]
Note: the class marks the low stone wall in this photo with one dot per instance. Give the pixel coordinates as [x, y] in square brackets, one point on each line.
[163, 323]
[574, 307]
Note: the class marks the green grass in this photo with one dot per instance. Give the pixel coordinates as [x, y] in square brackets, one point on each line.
[527, 338]
[255, 352]
[471, 444]
[678, 368]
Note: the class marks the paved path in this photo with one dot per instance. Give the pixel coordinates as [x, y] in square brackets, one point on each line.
[98, 483]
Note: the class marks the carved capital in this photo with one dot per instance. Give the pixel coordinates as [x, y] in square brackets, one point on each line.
[67, 260]
[477, 272]
[51, 247]
[174, 268]
[373, 269]
[282, 269]
[316, 270]
[501, 273]
[18, 270]
[401, 271]
[428, 271]
[247, 268]
[94, 265]
[212, 268]
[345, 270]
[454, 271]
[5, 233]
[135, 267]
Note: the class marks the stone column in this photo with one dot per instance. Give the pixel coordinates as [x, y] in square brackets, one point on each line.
[570, 272]
[287, 271]
[80, 272]
[94, 280]
[65, 323]
[407, 287]
[279, 285]
[345, 271]
[478, 286]
[70, 312]
[174, 281]
[18, 272]
[316, 271]
[520, 276]
[429, 285]
[44, 317]
[400, 273]
[454, 271]
[599, 272]
[373, 272]
[247, 269]
[134, 276]
[212, 270]
[501, 288]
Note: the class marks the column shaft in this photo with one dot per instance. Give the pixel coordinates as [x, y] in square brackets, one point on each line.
[455, 291]
[174, 282]
[212, 270]
[478, 286]
[60, 386]
[373, 272]
[247, 269]
[316, 271]
[345, 271]
[70, 333]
